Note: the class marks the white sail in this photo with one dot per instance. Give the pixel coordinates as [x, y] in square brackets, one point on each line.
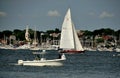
[27, 35]
[78, 45]
[69, 38]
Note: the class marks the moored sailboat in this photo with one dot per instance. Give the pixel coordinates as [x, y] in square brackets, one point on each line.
[69, 42]
[35, 42]
[27, 37]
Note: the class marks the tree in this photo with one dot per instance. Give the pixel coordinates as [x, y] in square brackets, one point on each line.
[1, 35]
[100, 40]
[57, 30]
[19, 34]
[117, 34]
[88, 33]
[7, 33]
[103, 31]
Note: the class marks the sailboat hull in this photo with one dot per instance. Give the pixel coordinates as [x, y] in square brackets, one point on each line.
[71, 51]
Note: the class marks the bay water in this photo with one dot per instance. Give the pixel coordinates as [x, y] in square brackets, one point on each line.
[91, 64]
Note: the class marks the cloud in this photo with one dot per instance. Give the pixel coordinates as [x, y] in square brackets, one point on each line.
[105, 14]
[3, 14]
[53, 13]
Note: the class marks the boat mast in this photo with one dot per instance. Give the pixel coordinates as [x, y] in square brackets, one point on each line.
[35, 38]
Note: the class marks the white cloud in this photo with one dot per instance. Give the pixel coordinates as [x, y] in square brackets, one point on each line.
[105, 14]
[53, 13]
[2, 14]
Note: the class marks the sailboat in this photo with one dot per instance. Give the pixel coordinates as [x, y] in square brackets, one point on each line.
[43, 61]
[27, 37]
[35, 42]
[69, 41]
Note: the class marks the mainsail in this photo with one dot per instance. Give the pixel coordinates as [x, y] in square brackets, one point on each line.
[67, 32]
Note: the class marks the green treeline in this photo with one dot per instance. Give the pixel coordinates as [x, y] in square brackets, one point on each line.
[20, 34]
[102, 32]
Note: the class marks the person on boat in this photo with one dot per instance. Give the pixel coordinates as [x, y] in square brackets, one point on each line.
[59, 56]
[37, 57]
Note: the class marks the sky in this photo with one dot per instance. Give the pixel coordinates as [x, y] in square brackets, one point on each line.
[49, 14]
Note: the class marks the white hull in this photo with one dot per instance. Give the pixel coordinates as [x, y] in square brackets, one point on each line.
[35, 48]
[89, 49]
[117, 49]
[105, 49]
[25, 46]
[7, 47]
[55, 62]
[43, 62]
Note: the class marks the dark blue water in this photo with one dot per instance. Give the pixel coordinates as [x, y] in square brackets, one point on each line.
[87, 65]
